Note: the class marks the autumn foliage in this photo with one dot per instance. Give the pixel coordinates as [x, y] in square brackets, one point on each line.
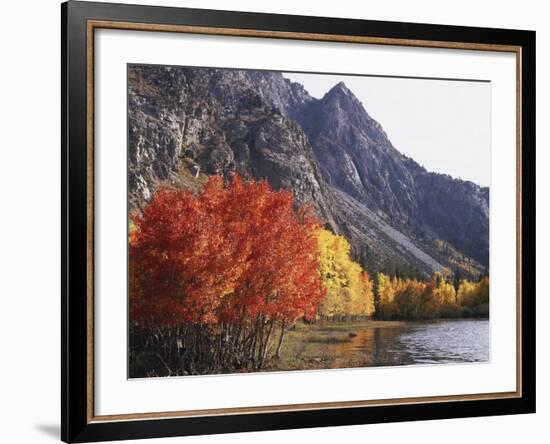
[435, 298]
[349, 288]
[217, 277]
[218, 272]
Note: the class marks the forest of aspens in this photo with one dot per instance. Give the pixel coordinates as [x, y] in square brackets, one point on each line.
[219, 278]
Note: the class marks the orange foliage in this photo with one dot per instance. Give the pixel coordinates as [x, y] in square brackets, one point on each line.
[233, 253]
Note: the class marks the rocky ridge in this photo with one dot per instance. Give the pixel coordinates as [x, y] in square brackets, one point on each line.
[187, 123]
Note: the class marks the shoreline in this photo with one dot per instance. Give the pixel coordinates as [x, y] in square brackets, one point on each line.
[361, 343]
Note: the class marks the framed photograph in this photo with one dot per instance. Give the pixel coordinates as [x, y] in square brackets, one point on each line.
[276, 221]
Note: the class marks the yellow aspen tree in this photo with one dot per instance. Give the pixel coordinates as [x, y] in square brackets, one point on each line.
[348, 288]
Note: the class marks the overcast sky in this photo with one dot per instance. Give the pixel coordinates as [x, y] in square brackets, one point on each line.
[444, 125]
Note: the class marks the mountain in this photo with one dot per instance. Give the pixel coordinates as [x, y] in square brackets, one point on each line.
[187, 123]
[357, 157]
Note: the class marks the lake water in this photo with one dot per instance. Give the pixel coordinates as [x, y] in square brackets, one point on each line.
[446, 341]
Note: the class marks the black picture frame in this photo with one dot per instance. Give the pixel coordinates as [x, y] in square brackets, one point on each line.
[76, 423]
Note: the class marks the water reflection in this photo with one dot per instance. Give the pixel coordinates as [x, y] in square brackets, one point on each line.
[416, 343]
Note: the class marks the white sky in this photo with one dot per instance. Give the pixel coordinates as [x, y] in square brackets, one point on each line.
[443, 125]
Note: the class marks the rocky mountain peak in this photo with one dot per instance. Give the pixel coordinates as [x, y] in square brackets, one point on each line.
[187, 123]
[340, 95]
[340, 88]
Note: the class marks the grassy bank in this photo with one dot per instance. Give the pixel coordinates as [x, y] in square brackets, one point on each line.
[330, 344]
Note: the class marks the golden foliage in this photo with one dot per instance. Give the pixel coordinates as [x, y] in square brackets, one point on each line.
[349, 288]
[436, 298]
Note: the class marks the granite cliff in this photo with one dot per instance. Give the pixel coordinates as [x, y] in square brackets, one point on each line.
[187, 123]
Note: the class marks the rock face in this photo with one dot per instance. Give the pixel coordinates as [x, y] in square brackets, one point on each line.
[187, 123]
[217, 122]
[357, 157]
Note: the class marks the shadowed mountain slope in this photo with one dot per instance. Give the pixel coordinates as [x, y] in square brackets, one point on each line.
[187, 123]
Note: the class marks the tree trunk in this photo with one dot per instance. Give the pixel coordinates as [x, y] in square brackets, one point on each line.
[278, 350]
[266, 345]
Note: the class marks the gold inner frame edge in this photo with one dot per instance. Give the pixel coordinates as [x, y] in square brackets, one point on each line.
[234, 32]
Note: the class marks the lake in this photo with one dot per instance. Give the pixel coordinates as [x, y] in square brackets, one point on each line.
[385, 343]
